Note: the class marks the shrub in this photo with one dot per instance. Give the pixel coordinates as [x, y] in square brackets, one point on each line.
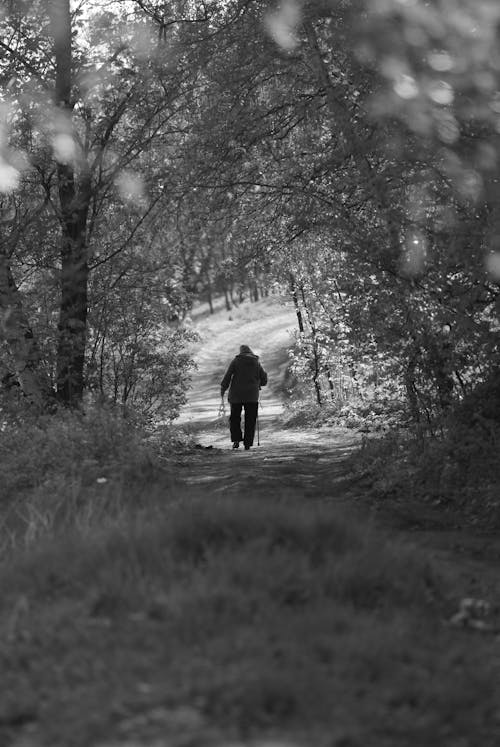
[374, 414]
[73, 467]
[454, 464]
[149, 373]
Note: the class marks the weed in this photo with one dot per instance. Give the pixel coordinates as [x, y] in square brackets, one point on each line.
[74, 469]
[458, 470]
[261, 612]
[266, 614]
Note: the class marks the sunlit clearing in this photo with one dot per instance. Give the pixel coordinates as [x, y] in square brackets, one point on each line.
[414, 255]
[282, 24]
[493, 265]
[64, 148]
[130, 186]
[9, 177]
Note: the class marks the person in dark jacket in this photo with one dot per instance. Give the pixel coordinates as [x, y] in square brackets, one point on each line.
[244, 378]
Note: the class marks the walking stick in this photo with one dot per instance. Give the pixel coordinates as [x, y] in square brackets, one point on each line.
[258, 430]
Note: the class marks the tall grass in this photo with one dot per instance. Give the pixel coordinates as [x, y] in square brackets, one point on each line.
[134, 610]
[259, 614]
[75, 469]
[457, 470]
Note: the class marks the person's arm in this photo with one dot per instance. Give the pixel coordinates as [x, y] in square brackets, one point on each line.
[227, 379]
[262, 376]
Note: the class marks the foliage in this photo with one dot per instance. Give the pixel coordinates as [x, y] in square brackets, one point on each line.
[78, 144]
[377, 413]
[148, 372]
[43, 484]
[456, 468]
[137, 344]
[227, 147]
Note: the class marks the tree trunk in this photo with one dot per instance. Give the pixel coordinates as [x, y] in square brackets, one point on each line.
[73, 311]
[295, 298]
[209, 295]
[253, 290]
[231, 293]
[330, 383]
[315, 348]
[17, 333]
[317, 386]
[74, 204]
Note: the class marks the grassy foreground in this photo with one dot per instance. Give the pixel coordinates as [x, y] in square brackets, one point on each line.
[138, 612]
[207, 620]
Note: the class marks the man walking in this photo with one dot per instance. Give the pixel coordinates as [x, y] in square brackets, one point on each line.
[244, 377]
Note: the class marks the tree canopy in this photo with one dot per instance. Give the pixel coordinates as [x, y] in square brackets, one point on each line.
[154, 152]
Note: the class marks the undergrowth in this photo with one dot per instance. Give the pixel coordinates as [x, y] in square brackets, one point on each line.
[455, 467]
[255, 614]
[449, 460]
[75, 468]
[373, 415]
[131, 606]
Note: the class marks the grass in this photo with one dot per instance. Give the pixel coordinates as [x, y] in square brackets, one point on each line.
[72, 469]
[138, 609]
[450, 464]
[239, 616]
[455, 473]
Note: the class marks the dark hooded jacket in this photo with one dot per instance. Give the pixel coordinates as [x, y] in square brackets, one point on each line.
[244, 377]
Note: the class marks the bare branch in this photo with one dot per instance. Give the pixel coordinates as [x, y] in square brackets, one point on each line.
[130, 236]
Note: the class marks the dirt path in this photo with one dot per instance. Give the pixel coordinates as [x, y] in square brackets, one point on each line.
[311, 459]
[260, 619]
[267, 327]
[314, 462]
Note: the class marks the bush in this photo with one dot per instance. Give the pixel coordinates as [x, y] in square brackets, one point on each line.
[367, 415]
[73, 467]
[149, 373]
[456, 465]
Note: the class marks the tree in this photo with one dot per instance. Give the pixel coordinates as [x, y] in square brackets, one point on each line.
[85, 119]
[263, 143]
[306, 118]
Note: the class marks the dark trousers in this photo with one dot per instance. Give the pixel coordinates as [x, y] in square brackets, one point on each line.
[251, 409]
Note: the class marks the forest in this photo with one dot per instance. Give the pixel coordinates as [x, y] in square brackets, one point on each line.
[155, 154]
[342, 156]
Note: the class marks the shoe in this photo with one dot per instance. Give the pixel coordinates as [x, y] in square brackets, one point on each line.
[247, 448]
[236, 445]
